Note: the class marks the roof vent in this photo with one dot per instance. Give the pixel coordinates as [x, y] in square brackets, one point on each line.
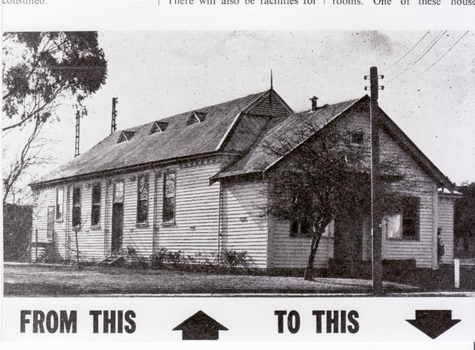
[158, 127]
[314, 103]
[125, 136]
[196, 117]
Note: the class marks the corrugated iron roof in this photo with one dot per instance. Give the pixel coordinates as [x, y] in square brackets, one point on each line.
[291, 129]
[178, 140]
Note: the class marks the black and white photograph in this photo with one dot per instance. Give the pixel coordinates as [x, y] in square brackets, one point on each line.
[258, 185]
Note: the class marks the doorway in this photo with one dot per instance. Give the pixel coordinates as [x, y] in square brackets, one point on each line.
[117, 227]
[50, 225]
[117, 218]
[348, 244]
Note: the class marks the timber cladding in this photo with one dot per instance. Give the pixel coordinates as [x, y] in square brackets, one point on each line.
[197, 183]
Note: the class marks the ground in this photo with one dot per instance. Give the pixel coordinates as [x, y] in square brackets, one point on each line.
[47, 280]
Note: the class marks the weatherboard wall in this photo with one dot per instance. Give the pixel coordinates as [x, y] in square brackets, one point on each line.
[415, 183]
[194, 233]
[290, 251]
[293, 252]
[244, 225]
[446, 224]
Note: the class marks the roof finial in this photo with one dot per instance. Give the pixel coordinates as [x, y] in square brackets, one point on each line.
[271, 81]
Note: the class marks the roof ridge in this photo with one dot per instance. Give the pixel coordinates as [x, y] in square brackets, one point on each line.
[258, 95]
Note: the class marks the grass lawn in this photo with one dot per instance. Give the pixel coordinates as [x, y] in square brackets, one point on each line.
[39, 280]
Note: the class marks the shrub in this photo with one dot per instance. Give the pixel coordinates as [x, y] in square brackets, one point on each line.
[207, 262]
[235, 259]
[157, 260]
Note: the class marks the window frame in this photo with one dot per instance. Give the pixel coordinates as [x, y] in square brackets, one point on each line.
[114, 193]
[59, 208]
[169, 220]
[296, 229]
[357, 137]
[76, 207]
[96, 203]
[412, 218]
[143, 221]
[409, 220]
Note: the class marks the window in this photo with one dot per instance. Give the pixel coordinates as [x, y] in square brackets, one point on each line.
[59, 203]
[142, 200]
[119, 191]
[406, 224]
[393, 226]
[300, 228]
[96, 205]
[304, 229]
[77, 206]
[125, 136]
[410, 218]
[158, 127]
[357, 137]
[196, 117]
[169, 189]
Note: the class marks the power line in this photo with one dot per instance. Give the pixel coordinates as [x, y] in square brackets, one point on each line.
[408, 52]
[433, 64]
[435, 41]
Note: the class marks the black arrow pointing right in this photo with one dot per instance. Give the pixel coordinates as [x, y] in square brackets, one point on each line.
[433, 322]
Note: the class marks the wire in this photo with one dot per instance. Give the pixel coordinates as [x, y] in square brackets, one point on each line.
[433, 64]
[435, 41]
[407, 53]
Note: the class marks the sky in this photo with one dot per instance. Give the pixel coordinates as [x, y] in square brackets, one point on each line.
[429, 79]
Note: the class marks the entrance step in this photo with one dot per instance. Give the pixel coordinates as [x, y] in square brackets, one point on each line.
[112, 261]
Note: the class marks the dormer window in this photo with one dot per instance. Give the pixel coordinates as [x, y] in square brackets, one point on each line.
[158, 127]
[125, 136]
[196, 117]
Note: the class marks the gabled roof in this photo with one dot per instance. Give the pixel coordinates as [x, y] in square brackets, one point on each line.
[406, 143]
[139, 145]
[259, 159]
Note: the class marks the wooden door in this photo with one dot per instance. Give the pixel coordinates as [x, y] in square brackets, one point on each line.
[117, 217]
[348, 241]
[117, 227]
[50, 225]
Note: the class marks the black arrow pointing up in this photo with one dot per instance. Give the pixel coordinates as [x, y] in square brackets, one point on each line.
[200, 327]
[433, 322]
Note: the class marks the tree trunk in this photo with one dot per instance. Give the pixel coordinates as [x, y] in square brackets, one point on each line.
[313, 250]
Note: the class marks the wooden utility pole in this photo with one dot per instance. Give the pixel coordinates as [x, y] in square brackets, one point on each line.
[114, 115]
[376, 217]
[76, 146]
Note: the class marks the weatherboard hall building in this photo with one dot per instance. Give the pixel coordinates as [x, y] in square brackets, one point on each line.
[196, 183]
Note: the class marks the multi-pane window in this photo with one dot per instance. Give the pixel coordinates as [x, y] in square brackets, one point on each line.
[59, 203]
[304, 229]
[410, 218]
[119, 191]
[404, 225]
[169, 189]
[142, 199]
[96, 205]
[299, 228]
[77, 206]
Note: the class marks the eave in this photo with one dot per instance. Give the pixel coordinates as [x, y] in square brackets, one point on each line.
[126, 170]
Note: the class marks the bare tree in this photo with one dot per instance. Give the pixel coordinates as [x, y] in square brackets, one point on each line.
[324, 176]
